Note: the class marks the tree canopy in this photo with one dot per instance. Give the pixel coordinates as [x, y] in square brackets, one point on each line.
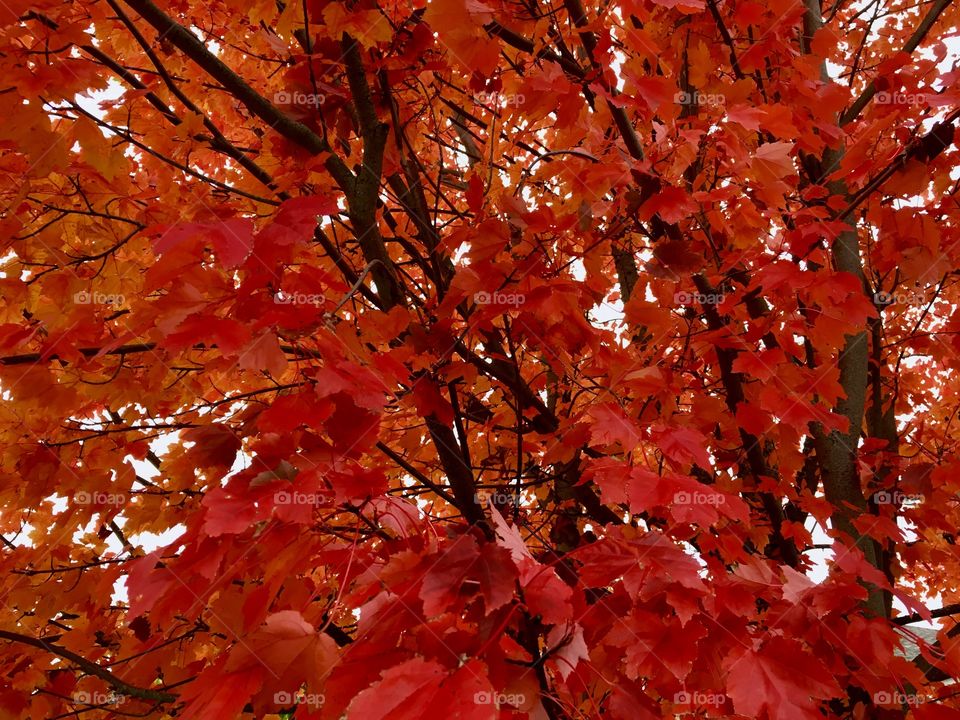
[479, 359]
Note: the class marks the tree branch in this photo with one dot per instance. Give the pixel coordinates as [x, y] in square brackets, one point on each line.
[836, 451]
[91, 668]
[912, 43]
[365, 193]
[946, 610]
[189, 44]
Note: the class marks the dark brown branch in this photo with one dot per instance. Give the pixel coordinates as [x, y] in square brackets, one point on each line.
[836, 451]
[925, 149]
[620, 119]
[416, 473]
[218, 141]
[365, 192]
[546, 421]
[757, 462]
[521, 43]
[29, 358]
[727, 40]
[460, 476]
[262, 108]
[90, 668]
[913, 42]
[946, 610]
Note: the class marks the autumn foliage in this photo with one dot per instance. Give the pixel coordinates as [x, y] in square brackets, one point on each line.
[479, 359]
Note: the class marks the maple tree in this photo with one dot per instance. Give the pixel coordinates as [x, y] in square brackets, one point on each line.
[479, 358]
